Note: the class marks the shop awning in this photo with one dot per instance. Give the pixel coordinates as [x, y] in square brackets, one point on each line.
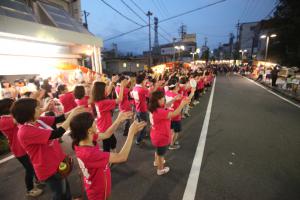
[39, 32]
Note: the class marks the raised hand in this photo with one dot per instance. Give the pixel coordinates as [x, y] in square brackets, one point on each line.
[137, 127]
[124, 115]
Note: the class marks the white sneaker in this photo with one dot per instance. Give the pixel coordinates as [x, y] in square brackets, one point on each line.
[163, 171]
[34, 192]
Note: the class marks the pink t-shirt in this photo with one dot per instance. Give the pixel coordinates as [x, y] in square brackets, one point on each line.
[183, 91]
[104, 117]
[44, 154]
[200, 84]
[68, 101]
[170, 95]
[161, 128]
[125, 104]
[94, 165]
[83, 102]
[10, 130]
[139, 95]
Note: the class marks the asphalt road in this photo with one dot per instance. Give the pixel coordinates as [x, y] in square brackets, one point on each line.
[252, 152]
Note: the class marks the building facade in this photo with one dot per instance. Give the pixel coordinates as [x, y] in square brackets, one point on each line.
[36, 36]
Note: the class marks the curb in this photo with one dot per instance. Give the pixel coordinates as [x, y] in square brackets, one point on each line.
[277, 91]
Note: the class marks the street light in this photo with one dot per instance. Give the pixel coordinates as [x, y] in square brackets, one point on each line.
[181, 47]
[267, 42]
[196, 52]
[243, 51]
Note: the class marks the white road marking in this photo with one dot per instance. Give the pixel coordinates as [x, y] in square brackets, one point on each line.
[298, 106]
[6, 159]
[191, 186]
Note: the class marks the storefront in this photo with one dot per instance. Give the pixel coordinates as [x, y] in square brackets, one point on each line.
[29, 47]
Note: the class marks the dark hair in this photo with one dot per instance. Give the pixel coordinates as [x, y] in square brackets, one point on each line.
[172, 83]
[121, 78]
[140, 78]
[79, 91]
[153, 102]
[61, 88]
[79, 126]
[5, 105]
[183, 80]
[98, 91]
[4, 81]
[23, 110]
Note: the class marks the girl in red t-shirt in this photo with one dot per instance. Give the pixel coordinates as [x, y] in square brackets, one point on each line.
[160, 134]
[104, 108]
[93, 162]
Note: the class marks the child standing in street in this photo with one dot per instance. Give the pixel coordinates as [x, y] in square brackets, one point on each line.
[160, 119]
[93, 162]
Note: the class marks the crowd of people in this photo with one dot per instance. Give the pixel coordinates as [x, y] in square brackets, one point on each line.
[35, 116]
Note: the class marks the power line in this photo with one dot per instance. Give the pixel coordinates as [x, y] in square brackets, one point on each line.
[273, 9]
[136, 5]
[125, 33]
[191, 11]
[120, 13]
[167, 19]
[133, 11]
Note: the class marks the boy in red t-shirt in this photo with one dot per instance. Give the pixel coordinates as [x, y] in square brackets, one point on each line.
[93, 162]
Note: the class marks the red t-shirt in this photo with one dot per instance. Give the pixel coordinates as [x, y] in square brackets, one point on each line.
[139, 95]
[94, 165]
[83, 102]
[170, 95]
[125, 104]
[200, 84]
[183, 91]
[68, 101]
[10, 130]
[44, 154]
[161, 128]
[104, 117]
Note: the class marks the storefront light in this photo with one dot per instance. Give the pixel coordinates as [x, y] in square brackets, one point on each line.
[29, 48]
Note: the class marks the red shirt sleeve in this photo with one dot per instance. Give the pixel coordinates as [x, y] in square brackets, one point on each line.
[99, 159]
[49, 120]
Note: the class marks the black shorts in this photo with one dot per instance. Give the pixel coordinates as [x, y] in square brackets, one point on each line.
[176, 126]
[161, 151]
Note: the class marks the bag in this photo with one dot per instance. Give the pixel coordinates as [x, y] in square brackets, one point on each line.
[65, 167]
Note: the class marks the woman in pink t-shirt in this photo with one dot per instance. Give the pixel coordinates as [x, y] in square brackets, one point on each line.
[93, 162]
[104, 108]
[125, 104]
[40, 141]
[9, 128]
[160, 134]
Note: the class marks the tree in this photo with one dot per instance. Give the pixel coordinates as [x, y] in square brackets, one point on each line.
[286, 24]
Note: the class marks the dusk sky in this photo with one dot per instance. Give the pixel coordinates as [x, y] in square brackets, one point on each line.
[215, 22]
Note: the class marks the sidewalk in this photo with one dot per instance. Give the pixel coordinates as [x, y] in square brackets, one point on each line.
[279, 89]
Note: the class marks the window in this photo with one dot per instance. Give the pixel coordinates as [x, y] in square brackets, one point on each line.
[16, 9]
[61, 18]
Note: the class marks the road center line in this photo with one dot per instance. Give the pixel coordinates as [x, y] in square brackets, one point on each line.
[6, 159]
[298, 106]
[191, 186]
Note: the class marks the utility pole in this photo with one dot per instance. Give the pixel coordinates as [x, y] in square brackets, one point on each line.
[174, 40]
[237, 40]
[149, 14]
[86, 14]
